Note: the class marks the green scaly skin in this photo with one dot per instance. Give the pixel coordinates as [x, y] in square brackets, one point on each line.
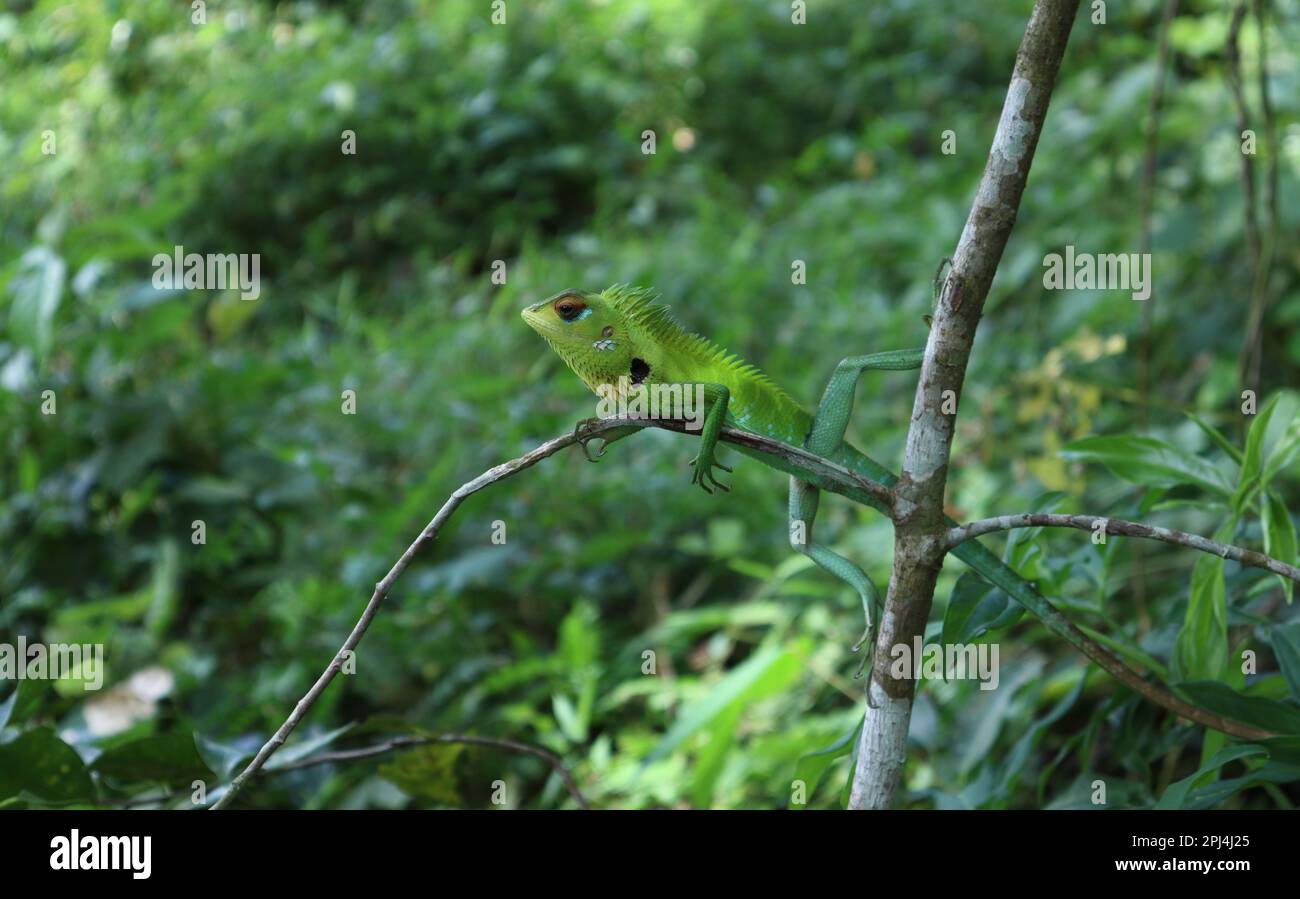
[621, 333]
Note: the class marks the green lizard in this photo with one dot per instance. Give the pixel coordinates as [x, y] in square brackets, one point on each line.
[622, 337]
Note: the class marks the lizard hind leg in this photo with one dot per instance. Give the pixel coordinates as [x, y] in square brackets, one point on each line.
[804, 499]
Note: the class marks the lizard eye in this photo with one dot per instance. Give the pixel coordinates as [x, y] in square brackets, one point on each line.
[568, 308]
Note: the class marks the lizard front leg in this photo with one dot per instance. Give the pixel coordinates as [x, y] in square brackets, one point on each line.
[716, 398]
[605, 438]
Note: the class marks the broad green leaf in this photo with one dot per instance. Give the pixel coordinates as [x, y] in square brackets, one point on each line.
[7, 707]
[1286, 646]
[974, 608]
[567, 717]
[1216, 437]
[1217, 793]
[1176, 795]
[305, 748]
[579, 643]
[711, 757]
[1267, 433]
[1018, 759]
[766, 667]
[1152, 463]
[1221, 699]
[996, 712]
[1250, 459]
[1279, 536]
[426, 772]
[222, 758]
[1280, 432]
[1283, 749]
[1129, 652]
[171, 758]
[1201, 648]
[41, 764]
[812, 767]
[1281, 454]
[37, 289]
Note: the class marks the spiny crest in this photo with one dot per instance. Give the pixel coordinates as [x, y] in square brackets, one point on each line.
[637, 305]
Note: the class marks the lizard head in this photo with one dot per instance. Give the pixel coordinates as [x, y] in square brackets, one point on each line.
[589, 333]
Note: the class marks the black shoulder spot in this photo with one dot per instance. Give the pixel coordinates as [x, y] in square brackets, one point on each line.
[640, 370]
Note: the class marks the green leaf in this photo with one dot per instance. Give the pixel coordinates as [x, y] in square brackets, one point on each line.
[711, 757]
[222, 758]
[975, 608]
[767, 669]
[1129, 652]
[1221, 699]
[1017, 761]
[1020, 539]
[1149, 462]
[1216, 437]
[171, 758]
[1283, 749]
[7, 707]
[28, 699]
[1176, 795]
[1270, 439]
[41, 764]
[812, 767]
[1201, 648]
[37, 290]
[299, 751]
[1279, 536]
[427, 772]
[571, 723]
[1216, 793]
[1286, 646]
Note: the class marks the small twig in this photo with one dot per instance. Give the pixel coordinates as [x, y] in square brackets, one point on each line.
[1247, 366]
[1148, 197]
[1120, 527]
[1252, 350]
[1233, 54]
[830, 476]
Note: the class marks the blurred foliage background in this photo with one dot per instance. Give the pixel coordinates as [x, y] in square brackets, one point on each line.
[522, 142]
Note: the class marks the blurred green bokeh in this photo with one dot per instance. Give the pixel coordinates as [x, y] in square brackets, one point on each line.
[482, 145]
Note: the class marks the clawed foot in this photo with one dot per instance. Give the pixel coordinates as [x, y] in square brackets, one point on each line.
[867, 639]
[584, 442]
[703, 475]
[605, 437]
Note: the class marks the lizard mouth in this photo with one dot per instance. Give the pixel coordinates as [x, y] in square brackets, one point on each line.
[542, 320]
[533, 316]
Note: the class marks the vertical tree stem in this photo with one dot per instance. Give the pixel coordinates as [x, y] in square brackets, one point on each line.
[920, 527]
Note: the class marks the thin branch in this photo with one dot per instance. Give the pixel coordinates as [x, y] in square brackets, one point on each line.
[1120, 527]
[822, 472]
[1148, 197]
[1148, 308]
[1252, 350]
[1233, 53]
